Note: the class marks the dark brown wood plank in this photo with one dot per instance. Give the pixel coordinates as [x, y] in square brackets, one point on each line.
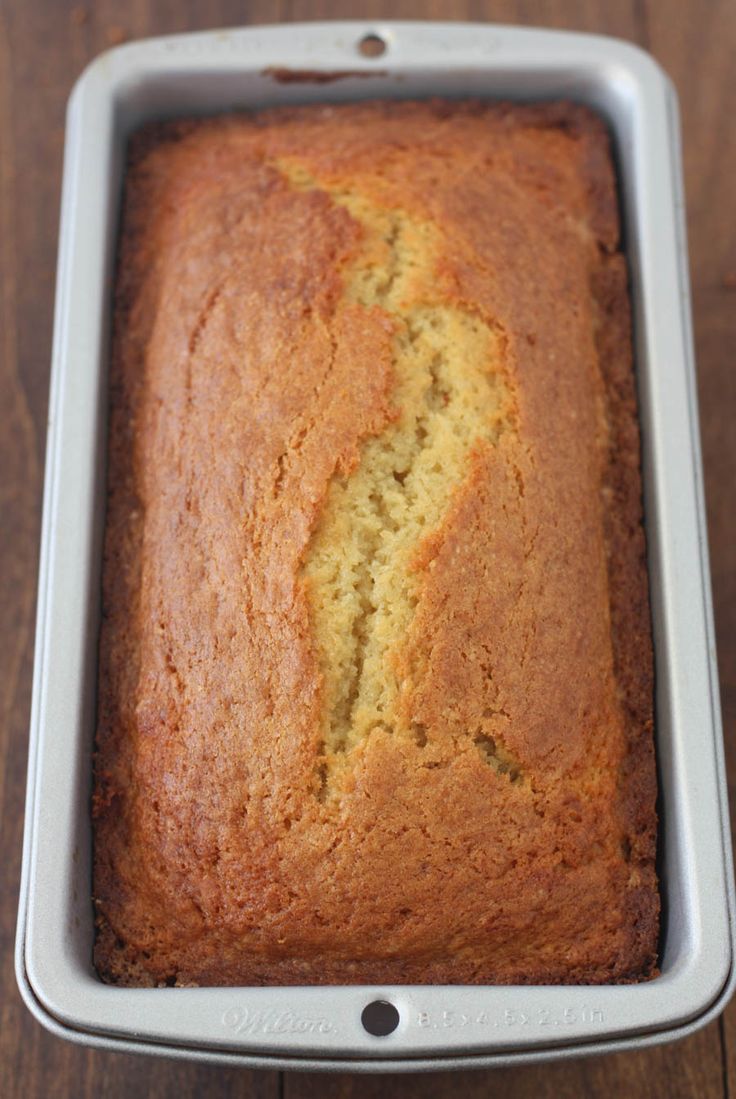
[621, 18]
[44, 44]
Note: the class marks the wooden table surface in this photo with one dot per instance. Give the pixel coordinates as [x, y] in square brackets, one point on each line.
[44, 44]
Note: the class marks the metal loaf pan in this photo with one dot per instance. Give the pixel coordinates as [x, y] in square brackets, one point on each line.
[439, 1027]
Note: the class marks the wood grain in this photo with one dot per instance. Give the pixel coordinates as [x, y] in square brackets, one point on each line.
[44, 44]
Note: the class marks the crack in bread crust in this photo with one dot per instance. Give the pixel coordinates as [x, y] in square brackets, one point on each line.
[360, 566]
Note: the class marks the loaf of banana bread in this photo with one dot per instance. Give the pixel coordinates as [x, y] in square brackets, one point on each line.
[375, 692]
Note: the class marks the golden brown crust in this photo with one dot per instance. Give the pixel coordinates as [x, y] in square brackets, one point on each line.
[513, 840]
